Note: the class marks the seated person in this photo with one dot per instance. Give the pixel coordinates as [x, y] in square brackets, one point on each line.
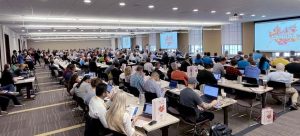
[206, 76]
[72, 83]
[108, 69]
[279, 59]
[148, 65]
[157, 67]
[284, 77]
[69, 71]
[293, 68]
[137, 79]
[21, 71]
[242, 63]
[93, 66]
[185, 63]
[190, 98]
[252, 71]
[126, 74]
[152, 86]
[218, 67]
[198, 60]
[118, 118]
[96, 123]
[232, 70]
[83, 87]
[7, 80]
[207, 60]
[94, 83]
[122, 60]
[263, 64]
[178, 75]
[116, 72]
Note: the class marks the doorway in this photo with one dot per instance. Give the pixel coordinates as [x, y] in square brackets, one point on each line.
[7, 47]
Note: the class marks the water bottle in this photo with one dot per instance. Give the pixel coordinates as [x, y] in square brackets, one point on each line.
[141, 98]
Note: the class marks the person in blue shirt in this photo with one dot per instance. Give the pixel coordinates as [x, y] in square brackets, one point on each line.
[207, 60]
[243, 63]
[263, 64]
[20, 58]
[198, 60]
[257, 55]
[81, 62]
[252, 70]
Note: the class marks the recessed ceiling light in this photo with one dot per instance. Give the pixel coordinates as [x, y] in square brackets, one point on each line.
[228, 13]
[122, 4]
[54, 30]
[81, 30]
[175, 8]
[195, 10]
[23, 30]
[87, 1]
[213, 11]
[253, 15]
[68, 30]
[242, 14]
[263, 16]
[151, 6]
[39, 30]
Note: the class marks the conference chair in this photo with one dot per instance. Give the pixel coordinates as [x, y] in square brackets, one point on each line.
[93, 127]
[134, 91]
[172, 103]
[150, 96]
[279, 90]
[189, 117]
[147, 73]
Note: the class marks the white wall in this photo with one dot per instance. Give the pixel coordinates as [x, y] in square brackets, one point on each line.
[62, 45]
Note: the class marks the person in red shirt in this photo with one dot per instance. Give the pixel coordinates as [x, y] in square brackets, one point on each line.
[232, 71]
[178, 75]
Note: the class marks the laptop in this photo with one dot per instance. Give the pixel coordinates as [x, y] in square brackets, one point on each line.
[217, 76]
[210, 93]
[109, 88]
[172, 84]
[147, 111]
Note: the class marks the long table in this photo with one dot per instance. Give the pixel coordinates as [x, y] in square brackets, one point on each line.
[162, 125]
[21, 80]
[238, 86]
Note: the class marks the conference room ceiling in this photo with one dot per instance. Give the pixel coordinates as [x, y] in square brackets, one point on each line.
[75, 16]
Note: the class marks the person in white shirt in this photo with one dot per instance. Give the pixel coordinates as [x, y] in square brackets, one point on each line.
[97, 111]
[284, 77]
[118, 118]
[83, 88]
[148, 65]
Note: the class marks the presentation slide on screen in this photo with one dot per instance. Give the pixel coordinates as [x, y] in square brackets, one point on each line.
[283, 35]
[126, 42]
[168, 40]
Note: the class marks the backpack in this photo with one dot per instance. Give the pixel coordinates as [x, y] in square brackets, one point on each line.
[220, 130]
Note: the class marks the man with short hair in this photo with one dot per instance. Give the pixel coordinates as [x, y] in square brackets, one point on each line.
[219, 67]
[190, 98]
[137, 79]
[97, 110]
[284, 77]
[148, 65]
[152, 86]
[252, 71]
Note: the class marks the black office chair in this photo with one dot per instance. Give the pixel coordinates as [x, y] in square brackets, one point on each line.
[147, 73]
[93, 127]
[172, 103]
[279, 90]
[189, 117]
[250, 80]
[150, 96]
[231, 77]
[180, 82]
[104, 76]
[115, 133]
[134, 91]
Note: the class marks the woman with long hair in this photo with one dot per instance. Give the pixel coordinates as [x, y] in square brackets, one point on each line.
[118, 118]
[263, 64]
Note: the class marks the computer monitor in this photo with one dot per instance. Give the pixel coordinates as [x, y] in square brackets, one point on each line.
[147, 109]
[211, 91]
[217, 76]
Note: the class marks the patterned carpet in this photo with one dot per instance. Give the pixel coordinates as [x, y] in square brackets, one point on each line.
[51, 111]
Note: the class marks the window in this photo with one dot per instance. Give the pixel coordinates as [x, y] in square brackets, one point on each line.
[231, 38]
[195, 41]
[152, 41]
[232, 49]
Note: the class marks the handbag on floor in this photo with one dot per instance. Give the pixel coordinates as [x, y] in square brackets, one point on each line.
[220, 130]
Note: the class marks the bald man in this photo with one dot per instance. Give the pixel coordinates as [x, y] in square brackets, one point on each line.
[284, 77]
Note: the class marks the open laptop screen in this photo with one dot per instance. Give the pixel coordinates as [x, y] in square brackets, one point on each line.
[211, 91]
[147, 109]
